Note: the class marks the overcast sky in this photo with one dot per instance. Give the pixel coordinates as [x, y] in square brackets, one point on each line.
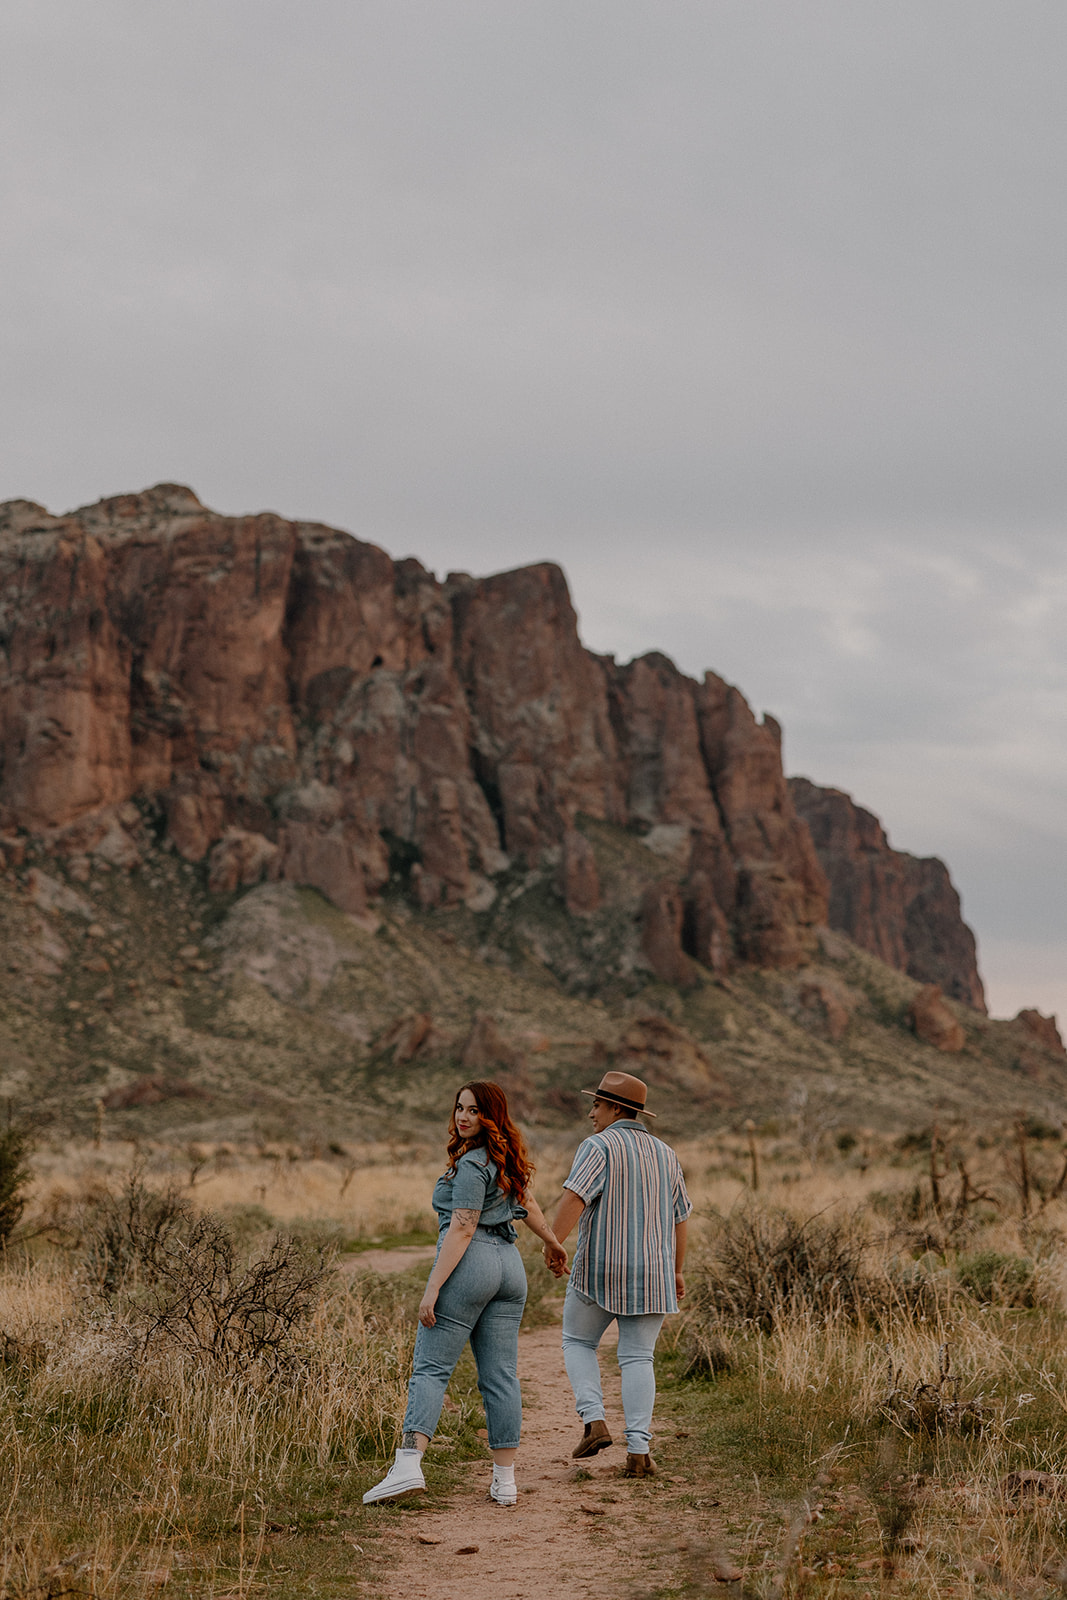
[749, 314]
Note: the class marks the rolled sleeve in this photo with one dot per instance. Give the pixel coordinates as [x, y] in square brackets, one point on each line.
[470, 1185]
[683, 1206]
[588, 1171]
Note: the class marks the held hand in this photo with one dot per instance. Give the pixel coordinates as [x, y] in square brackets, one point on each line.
[426, 1308]
[679, 1285]
[556, 1260]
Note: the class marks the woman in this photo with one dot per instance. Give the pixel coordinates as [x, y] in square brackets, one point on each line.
[476, 1290]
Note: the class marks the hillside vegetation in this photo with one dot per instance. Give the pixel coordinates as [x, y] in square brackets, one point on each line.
[139, 1004]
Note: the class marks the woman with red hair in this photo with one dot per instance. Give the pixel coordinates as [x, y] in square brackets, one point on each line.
[476, 1290]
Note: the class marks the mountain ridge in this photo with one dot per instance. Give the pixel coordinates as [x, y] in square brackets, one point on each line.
[293, 695]
[291, 833]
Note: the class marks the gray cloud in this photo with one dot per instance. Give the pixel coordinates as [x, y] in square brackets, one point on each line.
[749, 313]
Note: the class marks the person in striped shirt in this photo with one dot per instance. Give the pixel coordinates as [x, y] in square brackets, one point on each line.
[627, 1195]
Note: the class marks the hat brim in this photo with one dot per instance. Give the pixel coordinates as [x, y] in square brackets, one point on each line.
[613, 1100]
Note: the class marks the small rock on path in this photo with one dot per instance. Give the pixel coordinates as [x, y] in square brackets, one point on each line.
[547, 1547]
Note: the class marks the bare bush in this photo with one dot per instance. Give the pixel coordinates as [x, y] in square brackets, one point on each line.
[765, 1263]
[934, 1407]
[182, 1282]
[239, 1316]
[126, 1239]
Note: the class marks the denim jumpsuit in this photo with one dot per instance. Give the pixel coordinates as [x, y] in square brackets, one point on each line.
[481, 1301]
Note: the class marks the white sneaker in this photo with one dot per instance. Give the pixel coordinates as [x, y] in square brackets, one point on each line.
[404, 1477]
[505, 1494]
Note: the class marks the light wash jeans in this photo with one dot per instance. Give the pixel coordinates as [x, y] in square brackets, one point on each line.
[584, 1325]
[482, 1301]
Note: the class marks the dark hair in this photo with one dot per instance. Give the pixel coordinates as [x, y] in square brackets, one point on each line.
[627, 1111]
[498, 1135]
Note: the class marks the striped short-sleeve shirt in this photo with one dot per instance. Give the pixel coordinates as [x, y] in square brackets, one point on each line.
[634, 1195]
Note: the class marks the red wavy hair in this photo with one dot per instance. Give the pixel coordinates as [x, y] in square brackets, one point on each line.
[498, 1136]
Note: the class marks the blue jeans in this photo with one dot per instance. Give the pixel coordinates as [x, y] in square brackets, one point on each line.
[481, 1301]
[584, 1325]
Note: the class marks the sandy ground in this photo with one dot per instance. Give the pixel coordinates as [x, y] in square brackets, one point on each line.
[569, 1538]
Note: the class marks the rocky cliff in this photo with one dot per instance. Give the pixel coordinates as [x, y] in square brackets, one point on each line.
[902, 908]
[291, 703]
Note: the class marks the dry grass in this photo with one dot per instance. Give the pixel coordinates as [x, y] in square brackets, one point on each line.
[127, 1475]
[120, 1468]
[135, 1463]
[907, 1436]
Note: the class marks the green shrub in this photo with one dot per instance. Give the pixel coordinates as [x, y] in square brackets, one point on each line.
[246, 1221]
[996, 1279]
[15, 1141]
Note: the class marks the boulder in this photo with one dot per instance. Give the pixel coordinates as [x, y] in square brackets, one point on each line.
[48, 894]
[239, 860]
[485, 1048]
[12, 850]
[408, 1037]
[486, 1054]
[826, 1002]
[1042, 1029]
[117, 849]
[196, 814]
[933, 1022]
[149, 1091]
[666, 1057]
[322, 858]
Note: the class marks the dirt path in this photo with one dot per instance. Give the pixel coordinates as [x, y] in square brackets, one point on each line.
[568, 1538]
[398, 1260]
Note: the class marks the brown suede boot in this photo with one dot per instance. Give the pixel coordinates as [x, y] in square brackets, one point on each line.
[596, 1437]
[639, 1467]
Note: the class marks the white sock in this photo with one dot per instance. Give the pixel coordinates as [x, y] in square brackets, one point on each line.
[414, 1456]
[503, 1475]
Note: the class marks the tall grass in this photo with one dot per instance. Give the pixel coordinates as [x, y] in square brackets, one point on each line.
[896, 1375]
[895, 1367]
[128, 1463]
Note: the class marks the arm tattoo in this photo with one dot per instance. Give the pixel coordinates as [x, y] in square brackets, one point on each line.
[467, 1219]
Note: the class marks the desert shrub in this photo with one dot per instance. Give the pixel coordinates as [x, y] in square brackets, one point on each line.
[189, 1284]
[703, 1350]
[764, 1263]
[247, 1221]
[919, 1286]
[126, 1238]
[1035, 1127]
[934, 1406]
[238, 1315]
[319, 1233]
[996, 1279]
[15, 1142]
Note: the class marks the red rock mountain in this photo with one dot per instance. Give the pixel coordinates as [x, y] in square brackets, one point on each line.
[299, 705]
[902, 908]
